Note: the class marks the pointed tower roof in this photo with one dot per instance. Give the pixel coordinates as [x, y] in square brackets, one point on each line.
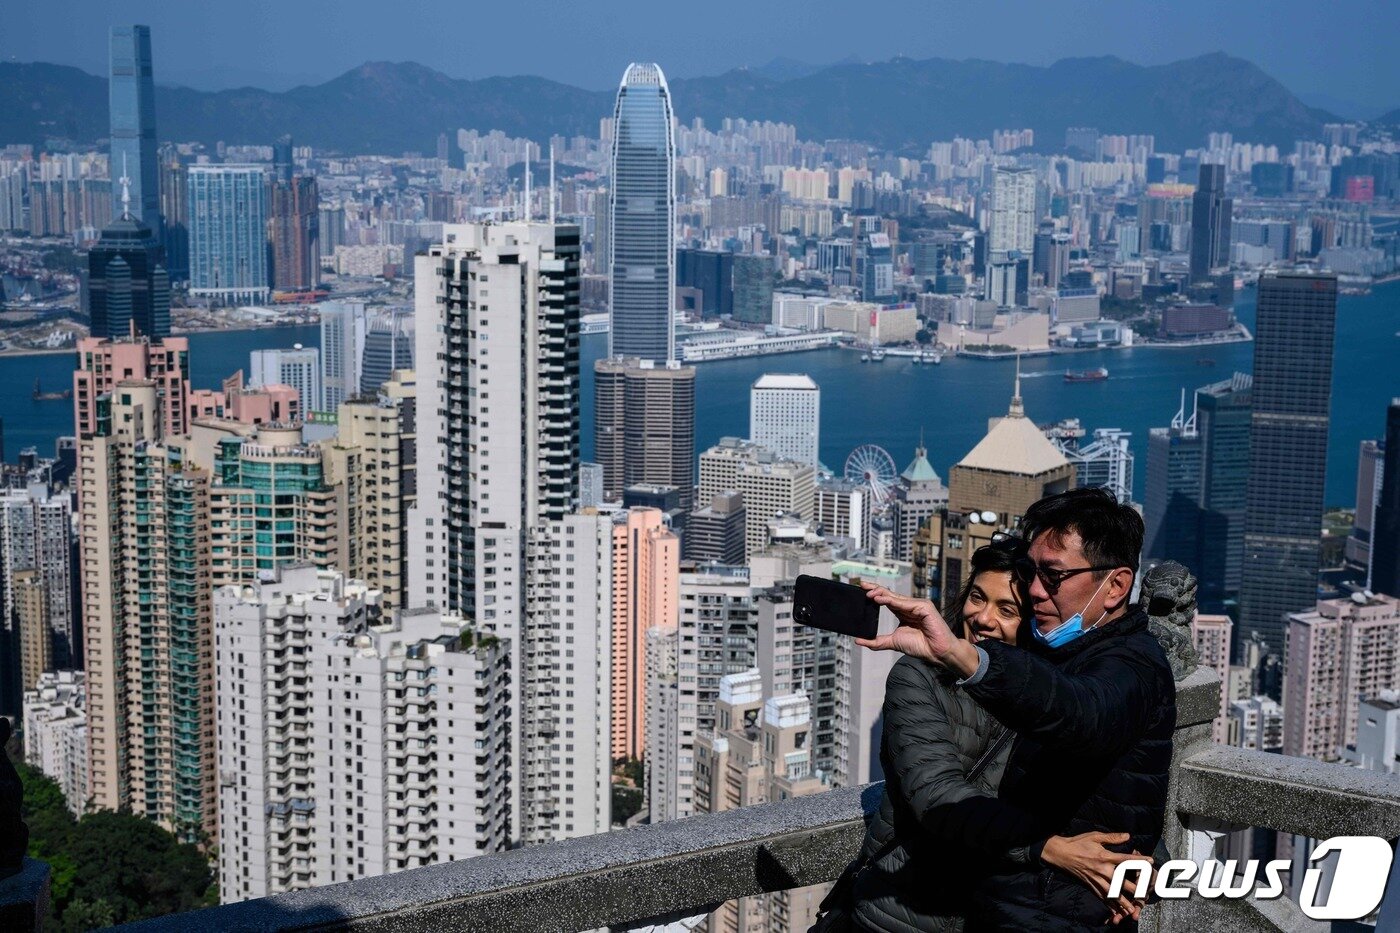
[1014, 444]
[919, 469]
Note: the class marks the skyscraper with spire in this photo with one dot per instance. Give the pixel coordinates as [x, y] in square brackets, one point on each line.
[641, 260]
[132, 104]
[127, 284]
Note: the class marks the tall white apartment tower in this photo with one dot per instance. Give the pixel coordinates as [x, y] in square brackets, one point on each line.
[298, 367]
[498, 439]
[785, 416]
[1013, 212]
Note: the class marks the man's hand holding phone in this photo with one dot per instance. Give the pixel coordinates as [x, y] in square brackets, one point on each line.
[921, 633]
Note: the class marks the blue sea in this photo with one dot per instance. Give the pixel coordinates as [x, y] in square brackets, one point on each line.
[893, 402]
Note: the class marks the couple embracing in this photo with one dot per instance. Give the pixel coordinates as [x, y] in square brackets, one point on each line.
[1027, 738]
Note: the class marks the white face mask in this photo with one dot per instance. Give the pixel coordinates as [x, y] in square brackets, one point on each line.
[1070, 629]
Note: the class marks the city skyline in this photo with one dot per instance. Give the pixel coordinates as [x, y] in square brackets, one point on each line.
[1357, 85]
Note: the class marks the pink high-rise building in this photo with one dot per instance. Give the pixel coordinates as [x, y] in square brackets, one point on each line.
[646, 580]
[1343, 651]
[1212, 637]
[268, 404]
[104, 363]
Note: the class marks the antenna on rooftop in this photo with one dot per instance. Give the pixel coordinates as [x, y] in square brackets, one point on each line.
[126, 190]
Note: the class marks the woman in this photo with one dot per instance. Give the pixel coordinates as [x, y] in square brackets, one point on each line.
[940, 826]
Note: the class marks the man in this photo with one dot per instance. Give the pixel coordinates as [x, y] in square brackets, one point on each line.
[1093, 704]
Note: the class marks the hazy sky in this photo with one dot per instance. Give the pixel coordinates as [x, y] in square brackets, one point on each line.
[1342, 54]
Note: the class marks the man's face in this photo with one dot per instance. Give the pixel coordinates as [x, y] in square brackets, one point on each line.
[1075, 594]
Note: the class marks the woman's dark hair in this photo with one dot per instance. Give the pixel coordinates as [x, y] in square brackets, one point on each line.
[1002, 556]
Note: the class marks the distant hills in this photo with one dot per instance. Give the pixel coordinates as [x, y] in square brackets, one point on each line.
[900, 104]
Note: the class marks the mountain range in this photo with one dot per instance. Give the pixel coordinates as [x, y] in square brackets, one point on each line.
[901, 104]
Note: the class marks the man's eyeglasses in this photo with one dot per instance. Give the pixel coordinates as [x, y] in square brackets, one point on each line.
[1051, 578]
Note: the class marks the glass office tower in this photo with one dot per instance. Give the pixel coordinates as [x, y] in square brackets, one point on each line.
[228, 233]
[641, 266]
[132, 101]
[1294, 333]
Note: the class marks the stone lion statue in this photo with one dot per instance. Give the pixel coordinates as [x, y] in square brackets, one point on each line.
[1169, 595]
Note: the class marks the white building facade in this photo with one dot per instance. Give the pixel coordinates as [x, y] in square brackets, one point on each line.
[785, 416]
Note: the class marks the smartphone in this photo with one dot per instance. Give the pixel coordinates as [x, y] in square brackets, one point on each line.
[835, 606]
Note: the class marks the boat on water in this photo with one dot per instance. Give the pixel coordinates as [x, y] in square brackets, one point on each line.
[1088, 375]
[865, 357]
[877, 356]
[928, 356]
[40, 395]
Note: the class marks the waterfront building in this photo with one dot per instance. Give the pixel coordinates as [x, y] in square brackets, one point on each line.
[785, 416]
[55, 733]
[1340, 652]
[711, 272]
[753, 289]
[1385, 544]
[641, 229]
[491, 533]
[228, 233]
[644, 425]
[327, 789]
[128, 289]
[759, 752]
[1292, 394]
[293, 226]
[298, 367]
[769, 484]
[1210, 223]
[645, 580]
[343, 328]
[131, 99]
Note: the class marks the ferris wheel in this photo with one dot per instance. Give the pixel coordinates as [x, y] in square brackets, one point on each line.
[872, 466]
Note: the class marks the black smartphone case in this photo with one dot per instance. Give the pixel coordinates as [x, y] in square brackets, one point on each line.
[835, 606]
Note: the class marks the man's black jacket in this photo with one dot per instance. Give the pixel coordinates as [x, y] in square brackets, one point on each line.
[1094, 721]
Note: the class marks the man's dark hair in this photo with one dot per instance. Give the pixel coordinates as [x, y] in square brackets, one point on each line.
[1112, 531]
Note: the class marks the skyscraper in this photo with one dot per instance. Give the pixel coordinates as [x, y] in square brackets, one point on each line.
[132, 105]
[388, 345]
[1172, 508]
[641, 264]
[644, 425]
[175, 213]
[1294, 333]
[1385, 537]
[228, 233]
[294, 224]
[1370, 473]
[1210, 222]
[127, 285]
[492, 535]
[1013, 212]
[1223, 414]
[785, 415]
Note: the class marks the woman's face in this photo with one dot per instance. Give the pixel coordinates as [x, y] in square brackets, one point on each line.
[991, 609]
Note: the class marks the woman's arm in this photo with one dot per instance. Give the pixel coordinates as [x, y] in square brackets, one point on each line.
[1088, 858]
